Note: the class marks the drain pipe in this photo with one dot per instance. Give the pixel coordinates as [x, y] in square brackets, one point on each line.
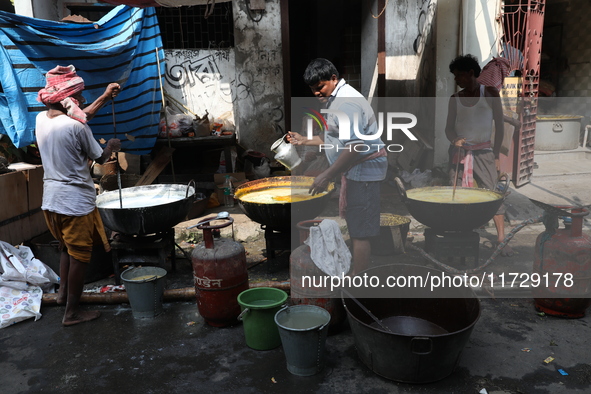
[170, 295]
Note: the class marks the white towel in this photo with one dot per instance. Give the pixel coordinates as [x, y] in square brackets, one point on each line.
[328, 249]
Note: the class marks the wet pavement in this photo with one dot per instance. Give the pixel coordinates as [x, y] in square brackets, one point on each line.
[177, 352]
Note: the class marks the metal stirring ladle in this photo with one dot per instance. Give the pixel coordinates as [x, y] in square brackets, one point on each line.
[221, 215]
[382, 325]
[116, 153]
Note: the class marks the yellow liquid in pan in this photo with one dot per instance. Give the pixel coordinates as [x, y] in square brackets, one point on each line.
[279, 195]
[462, 196]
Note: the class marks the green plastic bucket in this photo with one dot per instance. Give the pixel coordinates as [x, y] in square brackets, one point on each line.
[259, 306]
[145, 289]
[303, 330]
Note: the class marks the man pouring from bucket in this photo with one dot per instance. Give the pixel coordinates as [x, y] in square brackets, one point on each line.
[362, 163]
[66, 144]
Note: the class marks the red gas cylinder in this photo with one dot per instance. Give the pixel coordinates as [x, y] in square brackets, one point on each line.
[301, 264]
[220, 274]
[562, 259]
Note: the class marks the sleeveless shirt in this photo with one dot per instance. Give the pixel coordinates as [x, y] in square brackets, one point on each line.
[474, 123]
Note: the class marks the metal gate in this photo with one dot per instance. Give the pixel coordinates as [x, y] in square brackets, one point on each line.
[523, 23]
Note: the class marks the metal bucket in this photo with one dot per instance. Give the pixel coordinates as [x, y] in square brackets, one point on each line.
[145, 289]
[303, 330]
[286, 153]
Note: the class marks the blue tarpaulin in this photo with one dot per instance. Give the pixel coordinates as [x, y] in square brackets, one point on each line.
[121, 48]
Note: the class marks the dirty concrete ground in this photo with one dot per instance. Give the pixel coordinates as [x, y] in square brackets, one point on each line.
[177, 352]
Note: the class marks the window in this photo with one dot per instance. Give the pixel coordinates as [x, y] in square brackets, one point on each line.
[186, 27]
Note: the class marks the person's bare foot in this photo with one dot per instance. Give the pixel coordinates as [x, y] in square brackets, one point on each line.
[506, 251]
[80, 317]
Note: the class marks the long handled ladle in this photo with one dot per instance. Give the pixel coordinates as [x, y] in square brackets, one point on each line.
[453, 194]
[384, 327]
[117, 154]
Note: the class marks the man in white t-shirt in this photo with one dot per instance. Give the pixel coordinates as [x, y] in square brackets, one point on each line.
[362, 164]
[66, 144]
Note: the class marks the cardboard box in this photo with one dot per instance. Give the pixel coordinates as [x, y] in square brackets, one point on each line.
[21, 194]
[238, 178]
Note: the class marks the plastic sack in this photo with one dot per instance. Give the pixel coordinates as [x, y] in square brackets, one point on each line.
[225, 120]
[262, 171]
[417, 178]
[222, 167]
[178, 124]
[23, 279]
[19, 305]
[19, 268]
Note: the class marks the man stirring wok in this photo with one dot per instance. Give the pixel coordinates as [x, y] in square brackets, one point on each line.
[66, 143]
[471, 114]
[362, 169]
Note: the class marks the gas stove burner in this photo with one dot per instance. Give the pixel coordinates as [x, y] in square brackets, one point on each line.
[276, 240]
[453, 245]
[149, 249]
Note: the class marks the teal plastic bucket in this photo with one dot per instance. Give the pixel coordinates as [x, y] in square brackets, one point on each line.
[259, 306]
[145, 289]
[303, 330]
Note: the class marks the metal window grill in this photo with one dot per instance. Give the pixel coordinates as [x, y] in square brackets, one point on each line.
[186, 27]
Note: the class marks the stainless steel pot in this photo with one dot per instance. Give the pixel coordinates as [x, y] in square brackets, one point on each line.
[146, 209]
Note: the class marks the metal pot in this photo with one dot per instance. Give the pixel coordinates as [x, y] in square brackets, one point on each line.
[279, 214]
[146, 209]
[427, 330]
[451, 216]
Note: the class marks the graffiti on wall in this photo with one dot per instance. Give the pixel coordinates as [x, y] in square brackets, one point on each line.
[203, 77]
[255, 90]
[424, 24]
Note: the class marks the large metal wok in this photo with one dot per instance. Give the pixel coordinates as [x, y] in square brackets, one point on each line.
[451, 215]
[281, 214]
[146, 209]
[426, 330]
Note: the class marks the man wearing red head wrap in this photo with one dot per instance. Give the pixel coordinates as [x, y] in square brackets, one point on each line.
[66, 144]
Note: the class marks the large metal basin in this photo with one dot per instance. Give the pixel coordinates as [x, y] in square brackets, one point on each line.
[146, 209]
[427, 330]
[280, 214]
